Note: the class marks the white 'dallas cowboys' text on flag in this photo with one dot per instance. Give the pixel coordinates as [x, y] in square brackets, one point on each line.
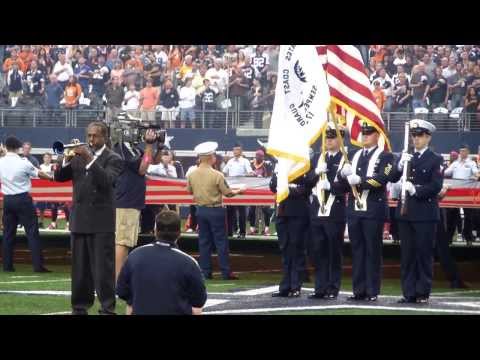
[299, 112]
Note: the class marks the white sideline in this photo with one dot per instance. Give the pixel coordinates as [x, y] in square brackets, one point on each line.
[33, 281]
[336, 307]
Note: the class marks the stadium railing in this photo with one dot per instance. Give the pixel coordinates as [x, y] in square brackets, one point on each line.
[215, 119]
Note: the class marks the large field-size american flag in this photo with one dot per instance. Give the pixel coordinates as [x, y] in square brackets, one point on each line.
[350, 90]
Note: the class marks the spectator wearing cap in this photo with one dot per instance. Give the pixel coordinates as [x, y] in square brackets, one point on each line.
[237, 166]
[207, 97]
[149, 97]
[114, 95]
[15, 175]
[131, 101]
[456, 89]
[379, 95]
[14, 83]
[83, 72]
[169, 103]
[420, 86]
[159, 279]
[438, 90]
[187, 103]
[62, 70]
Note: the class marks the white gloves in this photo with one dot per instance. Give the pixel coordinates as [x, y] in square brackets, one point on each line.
[410, 188]
[292, 186]
[354, 179]
[346, 170]
[324, 184]
[405, 157]
[321, 168]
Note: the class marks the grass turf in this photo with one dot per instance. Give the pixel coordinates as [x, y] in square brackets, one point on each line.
[26, 280]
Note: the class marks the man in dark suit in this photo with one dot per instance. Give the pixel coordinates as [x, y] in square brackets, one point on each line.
[292, 228]
[417, 228]
[327, 223]
[369, 172]
[93, 170]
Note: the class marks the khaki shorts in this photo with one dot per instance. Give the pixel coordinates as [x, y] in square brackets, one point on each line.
[148, 115]
[127, 227]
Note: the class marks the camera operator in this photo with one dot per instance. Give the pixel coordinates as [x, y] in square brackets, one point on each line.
[130, 192]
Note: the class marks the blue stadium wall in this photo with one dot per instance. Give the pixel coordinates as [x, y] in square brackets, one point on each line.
[186, 139]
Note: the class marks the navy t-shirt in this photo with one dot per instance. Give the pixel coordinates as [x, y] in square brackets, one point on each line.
[130, 187]
[159, 279]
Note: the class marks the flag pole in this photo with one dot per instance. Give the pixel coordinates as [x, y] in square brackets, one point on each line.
[322, 176]
[345, 156]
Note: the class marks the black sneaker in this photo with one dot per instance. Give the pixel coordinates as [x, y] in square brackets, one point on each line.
[331, 297]
[357, 297]
[407, 300]
[372, 298]
[294, 293]
[280, 294]
[316, 296]
[422, 300]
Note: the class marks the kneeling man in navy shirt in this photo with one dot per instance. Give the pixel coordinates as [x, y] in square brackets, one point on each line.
[158, 278]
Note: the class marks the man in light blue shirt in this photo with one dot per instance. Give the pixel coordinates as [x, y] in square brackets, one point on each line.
[15, 175]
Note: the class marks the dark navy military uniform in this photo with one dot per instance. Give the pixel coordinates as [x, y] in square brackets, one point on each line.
[159, 279]
[292, 228]
[365, 228]
[418, 227]
[327, 232]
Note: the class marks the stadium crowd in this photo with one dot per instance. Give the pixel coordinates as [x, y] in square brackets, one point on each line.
[175, 80]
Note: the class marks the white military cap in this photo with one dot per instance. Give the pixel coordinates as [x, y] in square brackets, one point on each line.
[419, 126]
[206, 148]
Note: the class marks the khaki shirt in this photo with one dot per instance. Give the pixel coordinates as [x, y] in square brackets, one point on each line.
[207, 186]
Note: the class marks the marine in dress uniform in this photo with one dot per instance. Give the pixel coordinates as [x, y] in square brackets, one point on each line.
[327, 227]
[417, 228]
[463, 168]
[207, 186]
[370, 170]
[292, 222]
[15, 175]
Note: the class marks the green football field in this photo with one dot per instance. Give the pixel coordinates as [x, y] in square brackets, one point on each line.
[26, 293]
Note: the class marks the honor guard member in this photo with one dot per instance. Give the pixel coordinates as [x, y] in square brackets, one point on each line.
[417, 227]
[463, 168]
[207, 186]
[327, 223]
[15, 175]
[292, 222]
[369, 172]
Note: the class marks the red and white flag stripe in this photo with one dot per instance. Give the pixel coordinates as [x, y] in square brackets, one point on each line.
[350, 89]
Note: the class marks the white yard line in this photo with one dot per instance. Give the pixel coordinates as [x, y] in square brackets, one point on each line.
[33, 281]
[24, 276]
[59, 313]
[337, 307]
[37, 292]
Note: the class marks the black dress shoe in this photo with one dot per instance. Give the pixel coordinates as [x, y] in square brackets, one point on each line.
[280, 294]
[331, 297]
[316, 296]
[294, 293]
[372, 298]
[407, 300]
[42, 270]
[356, 297]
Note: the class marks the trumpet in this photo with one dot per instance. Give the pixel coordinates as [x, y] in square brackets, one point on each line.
[67, 150]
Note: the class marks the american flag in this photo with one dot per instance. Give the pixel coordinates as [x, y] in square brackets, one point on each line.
[350, 90]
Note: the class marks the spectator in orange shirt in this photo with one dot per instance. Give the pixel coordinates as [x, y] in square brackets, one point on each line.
[134, 61]
[379, 95]
[27, 56]
[7, 64]
[148, 101]
[73, 90]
